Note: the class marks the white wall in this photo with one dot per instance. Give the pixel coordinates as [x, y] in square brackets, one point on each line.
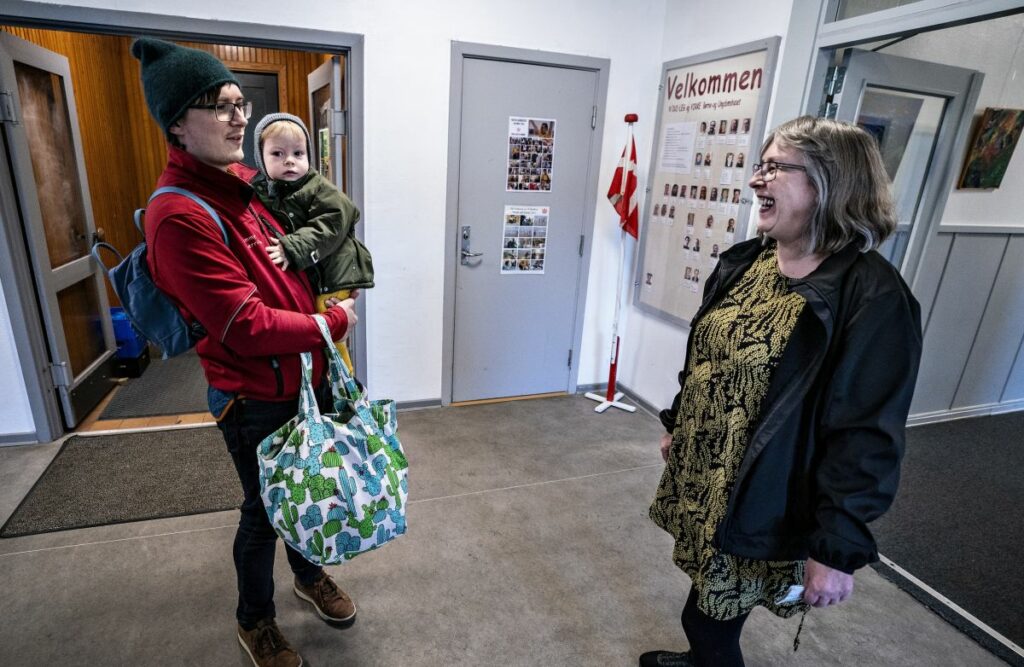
[1002, 62]
[407, 66]
[653, 350]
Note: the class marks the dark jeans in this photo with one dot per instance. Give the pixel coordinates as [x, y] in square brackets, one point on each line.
[244, 426]
[713, 643]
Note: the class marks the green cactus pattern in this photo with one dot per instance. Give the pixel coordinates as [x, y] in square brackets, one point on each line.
[331, 458]
[313, 477]
[289, 517]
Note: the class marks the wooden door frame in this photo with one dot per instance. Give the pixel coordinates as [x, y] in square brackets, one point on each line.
[460, 52]
[15, 276]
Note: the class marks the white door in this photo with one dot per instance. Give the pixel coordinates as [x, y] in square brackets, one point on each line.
[916, 110]
[327, 112]
[328, 133]
[526, 140]
[45, 153]
[921, 113]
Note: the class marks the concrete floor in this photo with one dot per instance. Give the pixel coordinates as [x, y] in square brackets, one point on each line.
[528, 544]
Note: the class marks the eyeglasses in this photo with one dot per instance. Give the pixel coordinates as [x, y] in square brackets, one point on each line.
[769, 170]
[226, 110]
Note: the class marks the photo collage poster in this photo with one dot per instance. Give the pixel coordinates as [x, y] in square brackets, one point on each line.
[531, 151]
[524, 239]
[699, 191]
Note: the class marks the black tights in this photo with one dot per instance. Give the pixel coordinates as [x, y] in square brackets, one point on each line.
[713, 643]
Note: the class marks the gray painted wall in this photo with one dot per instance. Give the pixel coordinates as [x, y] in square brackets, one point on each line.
[973, 311]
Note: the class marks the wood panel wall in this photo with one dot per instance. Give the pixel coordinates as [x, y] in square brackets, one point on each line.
[972, 308]
[124, 149]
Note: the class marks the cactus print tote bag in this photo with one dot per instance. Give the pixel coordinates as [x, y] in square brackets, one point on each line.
[334, 485]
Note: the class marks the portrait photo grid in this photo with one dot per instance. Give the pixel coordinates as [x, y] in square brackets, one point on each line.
[531, 150]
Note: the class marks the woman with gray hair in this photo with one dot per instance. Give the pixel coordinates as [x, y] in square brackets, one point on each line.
[786, 436]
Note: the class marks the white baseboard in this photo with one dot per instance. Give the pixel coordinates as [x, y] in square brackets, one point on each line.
[964, 413]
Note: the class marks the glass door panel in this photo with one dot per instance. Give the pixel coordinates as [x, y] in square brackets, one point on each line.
[45, 119]
[847, 9]
[906, 125]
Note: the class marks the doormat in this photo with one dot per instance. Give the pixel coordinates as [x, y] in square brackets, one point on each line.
[167, 387]
[105, 479]
[955, 523]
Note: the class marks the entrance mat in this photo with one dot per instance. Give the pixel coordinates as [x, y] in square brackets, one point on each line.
[956, 523]
[104, 479]
[167, 387]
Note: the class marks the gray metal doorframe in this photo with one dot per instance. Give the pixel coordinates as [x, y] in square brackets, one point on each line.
[460, 52]
[15, 276]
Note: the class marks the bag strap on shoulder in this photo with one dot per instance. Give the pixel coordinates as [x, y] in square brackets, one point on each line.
[185, 193]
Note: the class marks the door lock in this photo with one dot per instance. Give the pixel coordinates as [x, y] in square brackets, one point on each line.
[465, 251]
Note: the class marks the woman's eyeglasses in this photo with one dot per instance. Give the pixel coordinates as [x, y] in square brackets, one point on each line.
[226, 110]
[769, 170]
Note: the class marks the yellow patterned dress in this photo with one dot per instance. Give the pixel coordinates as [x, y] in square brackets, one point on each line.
[736, 347]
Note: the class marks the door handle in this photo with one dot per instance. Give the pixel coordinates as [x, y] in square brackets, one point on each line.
[465, 251]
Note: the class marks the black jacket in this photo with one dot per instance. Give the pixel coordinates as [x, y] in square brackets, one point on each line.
[824, 458]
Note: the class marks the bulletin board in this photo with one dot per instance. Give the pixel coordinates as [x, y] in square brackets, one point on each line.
[711, 120]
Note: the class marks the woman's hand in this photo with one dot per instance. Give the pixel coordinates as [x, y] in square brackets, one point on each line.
[666, 445]
[824, 586]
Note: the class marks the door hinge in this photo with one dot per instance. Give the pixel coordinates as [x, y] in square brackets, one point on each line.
[339, 123]
[582, 241]
[834, 78]
[60, 375]
[570, 359]
[593, 119]
[7, 112]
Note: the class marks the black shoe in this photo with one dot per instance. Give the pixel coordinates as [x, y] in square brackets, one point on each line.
[666, 659]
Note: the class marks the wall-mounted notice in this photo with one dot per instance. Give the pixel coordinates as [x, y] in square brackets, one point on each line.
[531, 152]
[524, 239]
[710, 121]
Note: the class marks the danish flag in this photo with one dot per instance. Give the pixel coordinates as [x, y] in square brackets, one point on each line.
[622, 193]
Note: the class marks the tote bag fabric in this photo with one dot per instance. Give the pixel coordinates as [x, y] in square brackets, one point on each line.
[335, 485]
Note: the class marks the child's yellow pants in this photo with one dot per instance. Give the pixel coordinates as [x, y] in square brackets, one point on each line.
[321, 306]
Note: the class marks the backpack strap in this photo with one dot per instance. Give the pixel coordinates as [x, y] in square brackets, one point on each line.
[96, 247]
[190, 195]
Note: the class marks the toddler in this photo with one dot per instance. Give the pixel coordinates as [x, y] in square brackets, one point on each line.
[320, 220]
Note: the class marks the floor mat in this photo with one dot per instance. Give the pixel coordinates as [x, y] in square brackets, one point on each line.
[167, 387]
[956, 522]
[104, 479]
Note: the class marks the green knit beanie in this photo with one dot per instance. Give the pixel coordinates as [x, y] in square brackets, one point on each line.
[173, 77]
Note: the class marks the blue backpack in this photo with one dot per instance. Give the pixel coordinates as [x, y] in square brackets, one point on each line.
[149, 309]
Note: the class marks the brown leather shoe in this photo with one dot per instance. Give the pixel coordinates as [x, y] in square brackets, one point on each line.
[331, 603]
[267, 647]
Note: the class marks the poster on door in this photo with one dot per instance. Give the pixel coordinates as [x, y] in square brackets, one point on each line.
[710, 119]
[531, 151]
[524, 239]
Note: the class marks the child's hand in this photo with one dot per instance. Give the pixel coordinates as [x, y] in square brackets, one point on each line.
[276, 252]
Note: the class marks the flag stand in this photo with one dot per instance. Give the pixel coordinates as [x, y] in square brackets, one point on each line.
[611, 397]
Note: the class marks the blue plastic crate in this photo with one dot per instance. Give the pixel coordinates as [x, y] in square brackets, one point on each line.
[130, 343]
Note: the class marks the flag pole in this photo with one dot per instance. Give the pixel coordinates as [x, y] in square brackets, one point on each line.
[611, 397]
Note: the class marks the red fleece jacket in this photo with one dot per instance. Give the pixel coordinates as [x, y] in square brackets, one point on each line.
[257, 317]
